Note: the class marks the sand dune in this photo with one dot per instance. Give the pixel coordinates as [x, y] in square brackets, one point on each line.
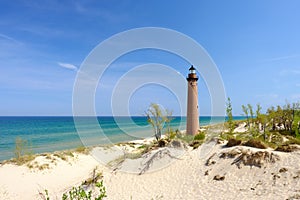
[209, 172]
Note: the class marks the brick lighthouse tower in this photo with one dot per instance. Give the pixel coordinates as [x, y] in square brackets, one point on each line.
[192, 120]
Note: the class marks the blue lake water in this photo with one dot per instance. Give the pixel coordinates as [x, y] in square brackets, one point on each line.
[48, 134]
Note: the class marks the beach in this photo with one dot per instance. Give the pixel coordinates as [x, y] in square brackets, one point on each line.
[149, 100]
[211, 171]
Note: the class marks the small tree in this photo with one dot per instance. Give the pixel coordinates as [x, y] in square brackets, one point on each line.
[157, 117]
[272, 117]
[246, 113]
[258, 110]
[258, 120]
[20, 147]
[296, 118]
[169, 118]
[229, 115]
[250, 108]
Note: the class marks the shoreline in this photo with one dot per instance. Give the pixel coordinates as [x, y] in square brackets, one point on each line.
[92, 145]
[49, 134]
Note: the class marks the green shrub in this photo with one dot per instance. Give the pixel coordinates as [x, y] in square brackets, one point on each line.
[171, 135]
[78, 193]
[199, 136]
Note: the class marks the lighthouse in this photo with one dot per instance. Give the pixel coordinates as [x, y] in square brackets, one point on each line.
[192, 120]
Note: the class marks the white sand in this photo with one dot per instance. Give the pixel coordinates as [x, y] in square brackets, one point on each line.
[184, 178]
[20, 182]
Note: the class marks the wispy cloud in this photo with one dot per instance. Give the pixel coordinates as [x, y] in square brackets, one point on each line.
[267, 96]
[67, 66]
[6, 37]
[281, 58]
[88, 9]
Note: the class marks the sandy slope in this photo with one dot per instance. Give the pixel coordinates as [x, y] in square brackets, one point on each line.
[189, 176]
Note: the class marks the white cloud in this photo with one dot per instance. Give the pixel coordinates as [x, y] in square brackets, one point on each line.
[67, 66]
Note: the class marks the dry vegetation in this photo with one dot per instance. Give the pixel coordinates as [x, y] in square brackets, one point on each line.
[250, 158]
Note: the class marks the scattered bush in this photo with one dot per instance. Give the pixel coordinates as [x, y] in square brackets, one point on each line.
[249, 158]
[161, 143]
[286, 148]
[255, 143]
[282, 170]
[219, 178]
[196, 143]
[233, 142]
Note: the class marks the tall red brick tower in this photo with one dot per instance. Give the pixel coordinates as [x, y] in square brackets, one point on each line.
[192, 121]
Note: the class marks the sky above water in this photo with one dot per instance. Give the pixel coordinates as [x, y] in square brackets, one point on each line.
[254, 44]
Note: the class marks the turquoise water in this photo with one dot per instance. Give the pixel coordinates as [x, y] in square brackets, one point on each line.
[48, 134]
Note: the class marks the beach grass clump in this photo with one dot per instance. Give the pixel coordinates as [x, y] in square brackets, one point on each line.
[64, 155]
[196, 143]
[186, 138]
[44, 166]
[37, 165]
[82, 150]
[23, 159]
[95, 176]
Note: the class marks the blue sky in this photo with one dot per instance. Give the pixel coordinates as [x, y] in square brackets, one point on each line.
[255, 44]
